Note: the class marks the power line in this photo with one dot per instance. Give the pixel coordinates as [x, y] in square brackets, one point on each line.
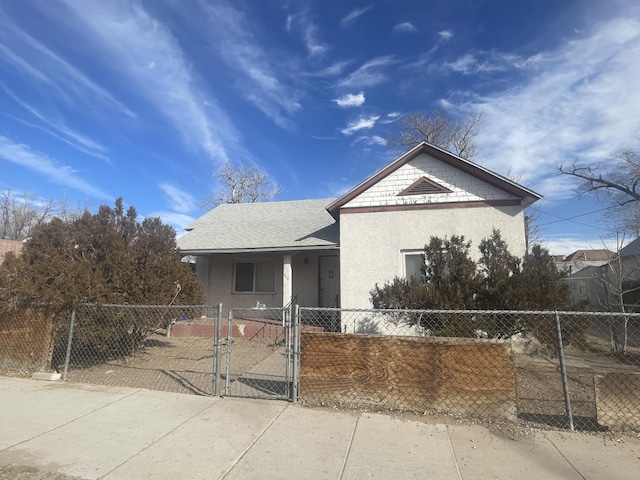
[570, 219]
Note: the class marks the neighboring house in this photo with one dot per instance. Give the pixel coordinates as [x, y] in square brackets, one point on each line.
[580, 259]
[587, 287]
[332, 252]
[598, 284]
[7, 246]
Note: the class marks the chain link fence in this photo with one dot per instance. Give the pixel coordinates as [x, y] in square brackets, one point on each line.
[139, 346]
[574, 370]
[124, 345]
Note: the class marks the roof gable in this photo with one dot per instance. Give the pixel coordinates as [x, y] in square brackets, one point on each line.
[593, 255]
[631, 249]
[456, 178]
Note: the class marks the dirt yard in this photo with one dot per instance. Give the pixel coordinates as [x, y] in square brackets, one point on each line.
[181, 365]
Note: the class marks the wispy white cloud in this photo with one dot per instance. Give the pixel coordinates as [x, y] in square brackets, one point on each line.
[334, 70]
[391, 117]
[482, 62]
[143, 51]
[42, 164]
[371, 140]
[369, 74]
[301, 23]
[364, 122]
[59, 130]
[353, 15]
[314, 45]
[405, 27]
[350, 100]
[231, 36]
[179, 200]
[445, 35]
[50, 71]
[575, 104]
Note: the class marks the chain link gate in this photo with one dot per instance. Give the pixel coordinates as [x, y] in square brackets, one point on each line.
[255, 353]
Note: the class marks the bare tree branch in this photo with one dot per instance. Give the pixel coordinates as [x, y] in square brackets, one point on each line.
[456, 136]
[617, 183]
[241, 185]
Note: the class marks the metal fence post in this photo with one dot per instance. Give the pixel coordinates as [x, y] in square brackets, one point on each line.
[218, 352]
[67, 357]
[227, 380]
[563, 373]
[286, 312]
[295, 390]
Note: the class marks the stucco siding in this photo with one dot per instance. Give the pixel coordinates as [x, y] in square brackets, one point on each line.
[371, 244]
[464, 187]
[215, 272]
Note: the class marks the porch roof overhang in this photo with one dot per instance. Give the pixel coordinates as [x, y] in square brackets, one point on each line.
[212, 251]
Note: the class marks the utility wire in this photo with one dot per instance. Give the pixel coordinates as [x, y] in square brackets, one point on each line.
[570, 219]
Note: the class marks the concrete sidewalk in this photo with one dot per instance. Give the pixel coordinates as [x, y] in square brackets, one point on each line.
[122, 433]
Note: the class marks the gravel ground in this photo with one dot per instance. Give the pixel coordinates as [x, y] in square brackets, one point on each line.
[181, 365]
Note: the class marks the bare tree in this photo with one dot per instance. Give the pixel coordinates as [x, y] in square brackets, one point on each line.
[19, 214]
[457, 137]
[620, 282]
[241, 185]
[617, 183]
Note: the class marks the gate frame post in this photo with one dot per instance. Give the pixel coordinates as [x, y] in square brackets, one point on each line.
[286, 320]
[227, 380]
[218, 353]
[295, 390]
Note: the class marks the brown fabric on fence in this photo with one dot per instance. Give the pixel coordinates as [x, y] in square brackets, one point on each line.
[26, 337]
[456, 376]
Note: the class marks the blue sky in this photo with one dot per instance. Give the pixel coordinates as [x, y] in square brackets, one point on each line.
[143, 99]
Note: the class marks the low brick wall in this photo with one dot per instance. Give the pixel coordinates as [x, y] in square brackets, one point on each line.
[466, 377]
[26, 337]
[618, 399]
[250, 329]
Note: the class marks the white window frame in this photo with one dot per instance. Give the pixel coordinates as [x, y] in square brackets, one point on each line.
[253, 291]
[408, 253]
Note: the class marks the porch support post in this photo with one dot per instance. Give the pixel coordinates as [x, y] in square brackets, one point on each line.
[287, 279]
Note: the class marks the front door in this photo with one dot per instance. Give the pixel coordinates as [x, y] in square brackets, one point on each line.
[330, 281]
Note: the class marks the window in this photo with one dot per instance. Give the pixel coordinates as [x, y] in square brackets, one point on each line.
[582, 288]
[412, 263]
[255, 277]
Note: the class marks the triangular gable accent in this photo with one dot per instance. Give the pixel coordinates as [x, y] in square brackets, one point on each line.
[526, 196]
[424, 186]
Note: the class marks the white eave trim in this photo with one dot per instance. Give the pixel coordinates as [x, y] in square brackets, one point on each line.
[209, 251]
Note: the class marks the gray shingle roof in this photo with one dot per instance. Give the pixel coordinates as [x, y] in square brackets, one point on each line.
[264, 226]
[631, 249]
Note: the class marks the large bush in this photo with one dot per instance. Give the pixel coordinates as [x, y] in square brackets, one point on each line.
[106, 257]
[451, 279]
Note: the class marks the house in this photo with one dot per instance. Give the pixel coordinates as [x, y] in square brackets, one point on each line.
[598, 284]
[582, 259]
[332, 252]
[587, 288]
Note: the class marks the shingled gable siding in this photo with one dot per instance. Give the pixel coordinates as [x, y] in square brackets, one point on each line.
[464, 187]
